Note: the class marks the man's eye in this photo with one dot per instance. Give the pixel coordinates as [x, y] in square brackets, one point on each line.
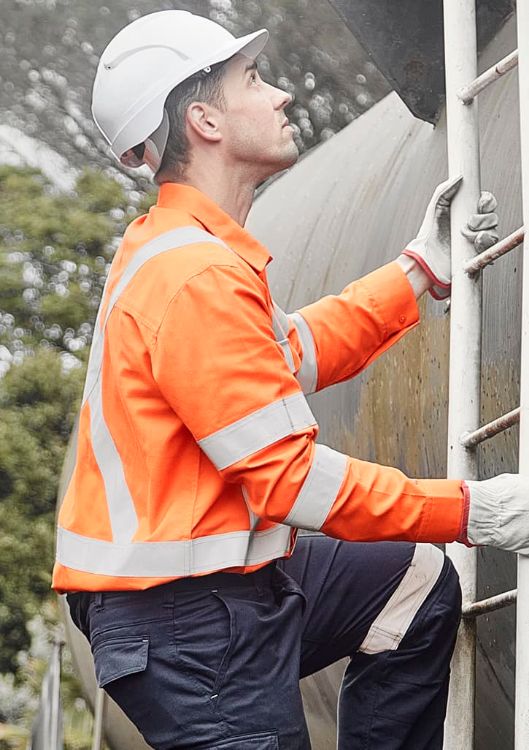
[253, 77]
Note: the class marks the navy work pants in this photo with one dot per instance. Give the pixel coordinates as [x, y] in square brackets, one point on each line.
[215, 662]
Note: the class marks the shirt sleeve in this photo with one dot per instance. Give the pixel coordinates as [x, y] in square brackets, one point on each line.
[336, 337]
[220, 368]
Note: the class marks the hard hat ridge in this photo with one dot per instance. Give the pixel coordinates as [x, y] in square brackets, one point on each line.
[143, 63]
[126, 53]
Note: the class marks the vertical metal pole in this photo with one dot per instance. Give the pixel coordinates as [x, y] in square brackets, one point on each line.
[99, 716]
[521, 728]
[55, 727]
[465, 340]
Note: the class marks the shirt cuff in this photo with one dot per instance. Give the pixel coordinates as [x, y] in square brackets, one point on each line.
[444, 514]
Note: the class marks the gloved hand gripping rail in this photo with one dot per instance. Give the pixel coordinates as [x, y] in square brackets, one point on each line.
[431, 247]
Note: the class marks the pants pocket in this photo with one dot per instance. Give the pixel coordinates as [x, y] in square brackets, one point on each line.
[225, 660]
[115, 658]
[204, 640]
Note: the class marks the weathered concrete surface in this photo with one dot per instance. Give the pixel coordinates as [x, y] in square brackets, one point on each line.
[344, 210]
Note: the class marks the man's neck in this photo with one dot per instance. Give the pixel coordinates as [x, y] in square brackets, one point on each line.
[233, 194]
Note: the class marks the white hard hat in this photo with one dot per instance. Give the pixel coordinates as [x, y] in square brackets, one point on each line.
[143, 63]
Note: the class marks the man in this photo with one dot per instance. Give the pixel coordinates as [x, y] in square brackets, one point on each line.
[197, 460]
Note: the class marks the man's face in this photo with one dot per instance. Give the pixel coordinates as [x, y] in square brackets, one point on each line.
[254, 125]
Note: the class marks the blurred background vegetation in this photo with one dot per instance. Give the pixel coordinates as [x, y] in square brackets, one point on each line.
[58, 234]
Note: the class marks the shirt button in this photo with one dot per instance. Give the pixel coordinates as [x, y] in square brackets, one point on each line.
[402, 318]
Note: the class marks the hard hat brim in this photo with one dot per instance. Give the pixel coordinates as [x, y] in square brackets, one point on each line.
[251, 44]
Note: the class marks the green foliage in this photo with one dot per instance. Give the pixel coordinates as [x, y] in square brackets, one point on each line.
[13, 738]
[38, 403]
[147, 200]
[55, 251]
[54, 255]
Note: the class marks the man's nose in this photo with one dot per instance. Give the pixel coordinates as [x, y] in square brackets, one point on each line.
[282, 98]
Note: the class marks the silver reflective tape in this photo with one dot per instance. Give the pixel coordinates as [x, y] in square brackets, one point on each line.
[307, 375]
[320, 489]
[287, 353]
[171, 559]
[253, 518]
[257, 430]
[281, 324]
[122, 512]
[389, 628]
[94, 362]
[121, 508]
[96, 351]
[171, 240]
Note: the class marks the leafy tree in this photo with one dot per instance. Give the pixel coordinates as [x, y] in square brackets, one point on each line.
[38, 403]
[54, 255]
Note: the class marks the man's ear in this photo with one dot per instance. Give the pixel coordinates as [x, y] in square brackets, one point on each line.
[203, 121]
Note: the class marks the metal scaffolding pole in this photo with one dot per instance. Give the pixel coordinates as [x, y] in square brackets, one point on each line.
[465, 340]
[56, 712]
[99, 720]
[521, 730]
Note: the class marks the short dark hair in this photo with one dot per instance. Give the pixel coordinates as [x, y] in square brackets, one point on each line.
[205, 86]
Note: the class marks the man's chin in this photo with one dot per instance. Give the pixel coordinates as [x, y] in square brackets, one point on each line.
[274, 168]
[294, 156]
[287, 159]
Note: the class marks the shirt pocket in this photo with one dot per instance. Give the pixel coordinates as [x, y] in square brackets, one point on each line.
[115, 658]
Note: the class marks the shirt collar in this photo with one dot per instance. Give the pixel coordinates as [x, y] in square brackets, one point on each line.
[190, 200]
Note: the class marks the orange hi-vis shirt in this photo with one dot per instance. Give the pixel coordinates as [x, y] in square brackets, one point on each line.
[197, 449]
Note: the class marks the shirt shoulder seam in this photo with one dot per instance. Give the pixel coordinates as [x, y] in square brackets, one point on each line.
[183, 286]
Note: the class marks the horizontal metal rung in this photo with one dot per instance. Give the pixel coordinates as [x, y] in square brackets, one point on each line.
[495, 252]
[468, 93]
[490, 605]
[471, 439]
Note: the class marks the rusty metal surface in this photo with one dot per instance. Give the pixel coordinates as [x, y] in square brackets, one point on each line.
[491, 604]
[346, 209]
[502, 247]
[490, 430]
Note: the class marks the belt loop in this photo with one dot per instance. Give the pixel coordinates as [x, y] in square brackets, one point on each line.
[98, 600]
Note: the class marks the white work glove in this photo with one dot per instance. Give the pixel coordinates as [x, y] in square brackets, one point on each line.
[431, 247]
[481, 228]
[498, 513]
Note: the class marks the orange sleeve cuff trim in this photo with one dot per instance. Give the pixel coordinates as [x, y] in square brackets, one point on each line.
[444, 517]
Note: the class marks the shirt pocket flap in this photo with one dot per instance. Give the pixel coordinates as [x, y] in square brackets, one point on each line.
[115, 658]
